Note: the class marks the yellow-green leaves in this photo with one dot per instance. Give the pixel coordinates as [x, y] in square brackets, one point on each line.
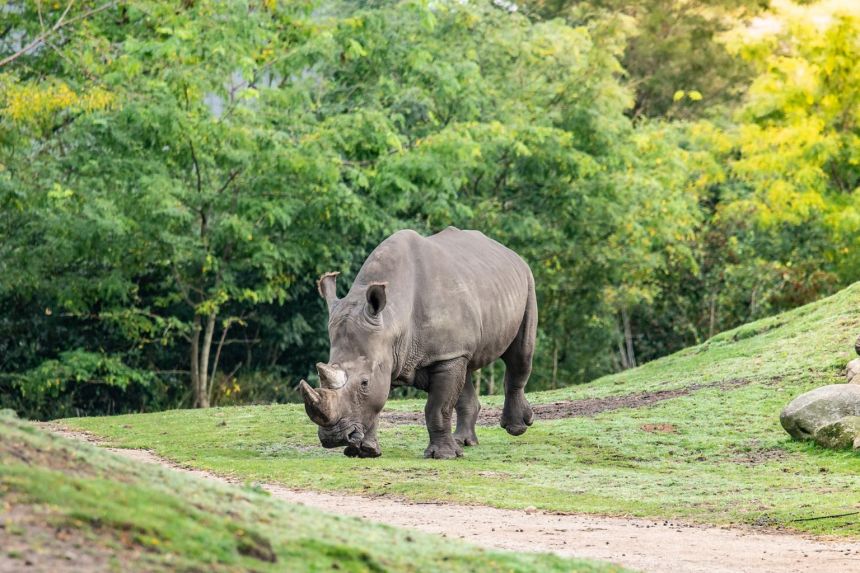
[38, 104]
[692, 95]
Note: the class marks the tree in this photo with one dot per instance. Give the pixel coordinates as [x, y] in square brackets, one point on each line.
[673, 51]
[777, 188]
[177, 190]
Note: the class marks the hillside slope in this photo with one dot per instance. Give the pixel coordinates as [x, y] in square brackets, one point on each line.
[67, 506]
[695, 435]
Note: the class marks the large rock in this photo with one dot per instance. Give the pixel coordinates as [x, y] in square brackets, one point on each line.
[852, 373]
[829, 415]
[844, 433]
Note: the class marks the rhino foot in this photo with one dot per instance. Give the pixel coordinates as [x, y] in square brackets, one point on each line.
[466, 438]
[443, 451]
[517, 415]
[363, 451]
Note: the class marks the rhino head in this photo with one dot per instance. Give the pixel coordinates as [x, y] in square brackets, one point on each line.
[354, 384]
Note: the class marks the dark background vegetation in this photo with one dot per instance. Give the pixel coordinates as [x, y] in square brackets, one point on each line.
[174, 176]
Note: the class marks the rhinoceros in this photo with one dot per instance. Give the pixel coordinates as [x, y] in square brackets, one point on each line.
[425, 312]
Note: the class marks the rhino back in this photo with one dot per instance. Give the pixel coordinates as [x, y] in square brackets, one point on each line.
[455, 293]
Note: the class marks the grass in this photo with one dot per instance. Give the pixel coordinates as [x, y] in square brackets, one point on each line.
[153, 519]
[725, 460]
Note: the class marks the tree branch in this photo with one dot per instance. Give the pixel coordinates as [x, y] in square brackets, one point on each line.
[183, 288]
[233, 174]
[196, 166]
[58, 25]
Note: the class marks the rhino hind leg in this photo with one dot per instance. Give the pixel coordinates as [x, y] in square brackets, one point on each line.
[446, 383]
[468, 407]
[517, 414]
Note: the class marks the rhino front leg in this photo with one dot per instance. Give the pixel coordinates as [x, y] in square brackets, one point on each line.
[446, 382]
[468, 407]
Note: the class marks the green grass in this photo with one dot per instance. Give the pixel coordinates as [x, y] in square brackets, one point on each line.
[159, 519]
[729, 461]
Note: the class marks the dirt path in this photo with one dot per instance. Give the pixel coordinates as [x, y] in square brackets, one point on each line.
[640, 544]
[576, 408]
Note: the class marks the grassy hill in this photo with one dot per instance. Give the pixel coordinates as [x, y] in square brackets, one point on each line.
[695, 436]
[66, 506]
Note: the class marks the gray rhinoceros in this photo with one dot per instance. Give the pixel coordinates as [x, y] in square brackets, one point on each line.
[425, 312]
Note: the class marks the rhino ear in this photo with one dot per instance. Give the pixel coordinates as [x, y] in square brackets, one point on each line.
[327, 287]
[376, 298]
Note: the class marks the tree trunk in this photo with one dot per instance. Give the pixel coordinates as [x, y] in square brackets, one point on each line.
[554, 363]
[195, 362]
[491, 387]
[200, 350]
[753, 303]
[623, 354]
[217, 359]
[204, 361]
[628, 339]
[713, 318]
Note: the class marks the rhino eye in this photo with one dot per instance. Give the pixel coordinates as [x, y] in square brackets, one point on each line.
[364, 382]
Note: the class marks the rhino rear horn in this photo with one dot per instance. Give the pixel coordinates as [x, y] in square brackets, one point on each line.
[330, 377]
[327, 287]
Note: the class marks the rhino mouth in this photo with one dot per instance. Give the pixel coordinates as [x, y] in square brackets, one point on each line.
[351, 435]
[341, 433]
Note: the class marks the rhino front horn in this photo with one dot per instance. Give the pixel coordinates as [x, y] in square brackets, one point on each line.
[310, 395]
[317, 404]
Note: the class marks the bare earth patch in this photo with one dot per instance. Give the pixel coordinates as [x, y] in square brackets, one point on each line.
[760, 456]
[658, 428]
[641, 544]
[576, 408]
[30, 542]
[61, 459]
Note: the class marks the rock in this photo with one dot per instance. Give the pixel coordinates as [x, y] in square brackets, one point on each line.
[852, 372]
[531, 509]
[840, 434]
[829, 415]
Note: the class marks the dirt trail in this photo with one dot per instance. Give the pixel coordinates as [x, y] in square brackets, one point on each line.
[640, 544]
[576, 408]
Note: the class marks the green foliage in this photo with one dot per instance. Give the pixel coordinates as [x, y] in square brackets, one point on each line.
[173, 179]
[778, 188]
[673, 51]
[55, 385]
[799, 145]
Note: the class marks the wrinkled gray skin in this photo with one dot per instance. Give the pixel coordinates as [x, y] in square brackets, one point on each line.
[425, 312]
